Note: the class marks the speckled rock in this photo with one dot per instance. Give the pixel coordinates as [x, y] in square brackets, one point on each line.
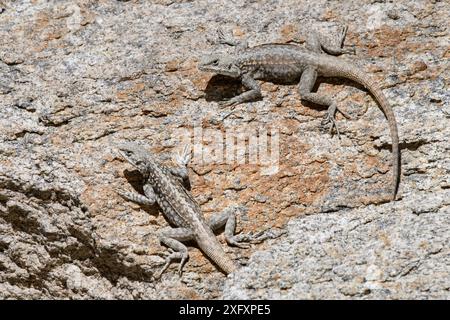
[77, 76]
[396, 251]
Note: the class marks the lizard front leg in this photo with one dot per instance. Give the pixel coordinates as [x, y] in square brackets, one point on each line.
[148, 199]
[172, 237]
[252, 94]
[307, 81]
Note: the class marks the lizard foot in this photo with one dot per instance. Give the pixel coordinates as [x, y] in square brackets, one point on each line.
[183, 157]
[351, 50]
[171, 256]
[224, 38]
[239, 241]
[330, 118]
[244, 240]
[266, 234]
[342, 36]
[219, 38]
[228, 103]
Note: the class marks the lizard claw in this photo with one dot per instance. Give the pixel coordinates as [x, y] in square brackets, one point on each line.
[183, 157]
[239, 241]
[330, 118]
[221, 38]
[165, 254]
[225, 103]
[244, 240]
[345, 114]
[171, 255]
[228, 103]
[266, 234]
[225, 38]
[182, 263]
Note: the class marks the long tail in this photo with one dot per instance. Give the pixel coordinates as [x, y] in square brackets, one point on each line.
[212, 248]
[347, 70]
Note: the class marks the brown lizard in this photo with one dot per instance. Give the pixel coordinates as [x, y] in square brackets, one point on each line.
[166, 187]
[288, 62]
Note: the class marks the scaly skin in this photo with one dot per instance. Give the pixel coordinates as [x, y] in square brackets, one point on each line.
[164, 186]
[287, 62]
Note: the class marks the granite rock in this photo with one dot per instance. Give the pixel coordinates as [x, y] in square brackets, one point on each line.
[77, 76]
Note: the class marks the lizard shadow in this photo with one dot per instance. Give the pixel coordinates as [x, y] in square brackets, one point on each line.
[222, 88]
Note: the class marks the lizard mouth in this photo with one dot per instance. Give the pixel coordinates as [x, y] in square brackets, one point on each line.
[215, 68]
[219, 65]
[124, 154]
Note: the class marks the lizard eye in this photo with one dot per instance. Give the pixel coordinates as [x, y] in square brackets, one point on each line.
[215, 62]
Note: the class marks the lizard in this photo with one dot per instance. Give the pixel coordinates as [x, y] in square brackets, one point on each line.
[290, 62]
[167, 186]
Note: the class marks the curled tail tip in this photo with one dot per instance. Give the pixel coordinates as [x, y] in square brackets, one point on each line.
[395, 193]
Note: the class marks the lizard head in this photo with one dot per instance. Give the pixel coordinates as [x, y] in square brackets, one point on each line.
[134, 154]
[220, 64]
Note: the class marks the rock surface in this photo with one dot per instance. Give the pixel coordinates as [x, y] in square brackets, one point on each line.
[77, 76]
[390, 251]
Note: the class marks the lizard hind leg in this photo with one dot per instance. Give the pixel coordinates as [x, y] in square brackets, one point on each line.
[307, 80]
[227, 218]
[177, 251]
